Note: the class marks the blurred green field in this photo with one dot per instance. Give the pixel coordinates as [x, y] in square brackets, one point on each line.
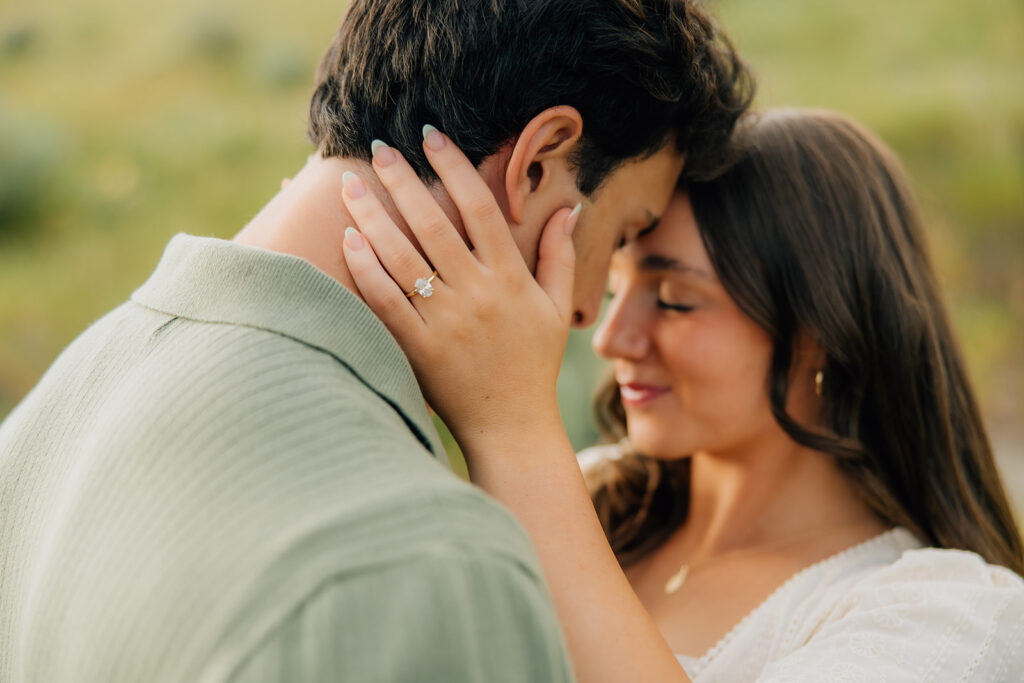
[123, 123]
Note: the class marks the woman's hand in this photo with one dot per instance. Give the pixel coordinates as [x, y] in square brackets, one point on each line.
[487, 342]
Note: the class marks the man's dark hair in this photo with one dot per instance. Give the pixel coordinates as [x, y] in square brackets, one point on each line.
[640, 72]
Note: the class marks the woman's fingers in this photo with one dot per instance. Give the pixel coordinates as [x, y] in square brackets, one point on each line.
[437, 236]
[380, 292]
[556, 265]
[393, 249]
[485, 224]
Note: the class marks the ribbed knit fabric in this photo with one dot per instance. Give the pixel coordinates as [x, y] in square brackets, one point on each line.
[234, 477]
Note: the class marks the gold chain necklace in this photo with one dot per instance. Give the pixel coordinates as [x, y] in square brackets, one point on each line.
[676, 581]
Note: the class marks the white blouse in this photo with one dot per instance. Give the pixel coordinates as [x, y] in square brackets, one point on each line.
[888, 610]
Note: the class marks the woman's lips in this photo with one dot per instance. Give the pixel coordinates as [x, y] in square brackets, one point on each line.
[640, 394]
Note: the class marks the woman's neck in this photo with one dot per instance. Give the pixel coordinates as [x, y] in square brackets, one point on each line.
[776, 493]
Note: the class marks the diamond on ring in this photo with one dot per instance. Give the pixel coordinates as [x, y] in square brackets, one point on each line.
[423, 287]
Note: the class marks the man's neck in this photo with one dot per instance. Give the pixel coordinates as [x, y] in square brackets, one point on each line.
[307, 218]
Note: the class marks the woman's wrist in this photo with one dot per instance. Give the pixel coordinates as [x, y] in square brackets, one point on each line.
[510, 433]
[511, 463]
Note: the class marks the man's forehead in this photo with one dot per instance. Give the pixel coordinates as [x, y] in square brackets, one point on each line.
[642, 188]
[636, 199]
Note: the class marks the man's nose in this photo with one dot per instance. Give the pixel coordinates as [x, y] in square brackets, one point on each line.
[586, 314]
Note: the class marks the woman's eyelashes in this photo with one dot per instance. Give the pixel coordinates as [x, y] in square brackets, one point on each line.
[671, 296]
[678, 308]
[660, 302]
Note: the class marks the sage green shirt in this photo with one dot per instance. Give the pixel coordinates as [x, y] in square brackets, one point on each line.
[233, 477]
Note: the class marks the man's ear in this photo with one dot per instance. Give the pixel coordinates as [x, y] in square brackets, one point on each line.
[542, 149]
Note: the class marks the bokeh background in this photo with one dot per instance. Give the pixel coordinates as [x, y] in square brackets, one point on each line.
[122, 123]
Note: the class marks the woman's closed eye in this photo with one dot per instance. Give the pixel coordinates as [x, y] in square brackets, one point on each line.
[674, 297]
[661, 303]
[678, 308]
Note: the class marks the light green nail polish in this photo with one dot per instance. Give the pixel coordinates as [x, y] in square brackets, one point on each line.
[353, 240]
[375, 145]
[353, 184]
[432, 138]
[570, 222]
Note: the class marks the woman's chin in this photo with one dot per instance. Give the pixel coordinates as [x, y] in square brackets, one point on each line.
[659, 446]
[664, 439]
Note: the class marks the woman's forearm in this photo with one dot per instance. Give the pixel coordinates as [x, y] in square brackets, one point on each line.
[610, 635]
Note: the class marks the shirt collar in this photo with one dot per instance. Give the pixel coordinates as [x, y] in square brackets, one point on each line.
[213, 280]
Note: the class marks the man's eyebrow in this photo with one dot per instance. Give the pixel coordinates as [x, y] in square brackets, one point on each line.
[660, 262]
[627, 239]
[654, 220]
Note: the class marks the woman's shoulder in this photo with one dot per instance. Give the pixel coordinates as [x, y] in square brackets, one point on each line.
[940, 571]
[942, 586]
[888, 609]
[931, 614]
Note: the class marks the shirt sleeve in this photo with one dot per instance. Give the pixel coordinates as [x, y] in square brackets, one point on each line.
[934, 616]
[455, 617]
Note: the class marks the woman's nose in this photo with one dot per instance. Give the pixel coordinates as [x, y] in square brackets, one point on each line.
[622, 333]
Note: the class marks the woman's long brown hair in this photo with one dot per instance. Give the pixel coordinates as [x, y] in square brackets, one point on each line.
[812, 228]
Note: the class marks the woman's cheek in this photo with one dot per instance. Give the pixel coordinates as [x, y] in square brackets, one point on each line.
[719, 372]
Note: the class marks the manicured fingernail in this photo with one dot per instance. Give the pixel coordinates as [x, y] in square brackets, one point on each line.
[354, 185]
[434, 139]
[570, 222]
[383, 155]
[353, 240]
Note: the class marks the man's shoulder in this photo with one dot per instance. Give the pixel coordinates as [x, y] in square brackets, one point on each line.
[176, 374]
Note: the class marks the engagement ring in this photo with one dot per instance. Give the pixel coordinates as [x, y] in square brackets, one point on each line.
[423, 287]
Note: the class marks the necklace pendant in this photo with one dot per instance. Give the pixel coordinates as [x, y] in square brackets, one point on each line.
[676, 581]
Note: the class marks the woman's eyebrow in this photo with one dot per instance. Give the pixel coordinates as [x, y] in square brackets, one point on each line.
[660, 262]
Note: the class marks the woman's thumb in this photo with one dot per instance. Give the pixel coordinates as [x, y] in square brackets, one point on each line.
[556, 264]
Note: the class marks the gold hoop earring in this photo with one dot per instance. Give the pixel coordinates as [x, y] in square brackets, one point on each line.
[819, 380]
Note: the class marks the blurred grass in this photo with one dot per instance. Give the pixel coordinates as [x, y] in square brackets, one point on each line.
[123, 123]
